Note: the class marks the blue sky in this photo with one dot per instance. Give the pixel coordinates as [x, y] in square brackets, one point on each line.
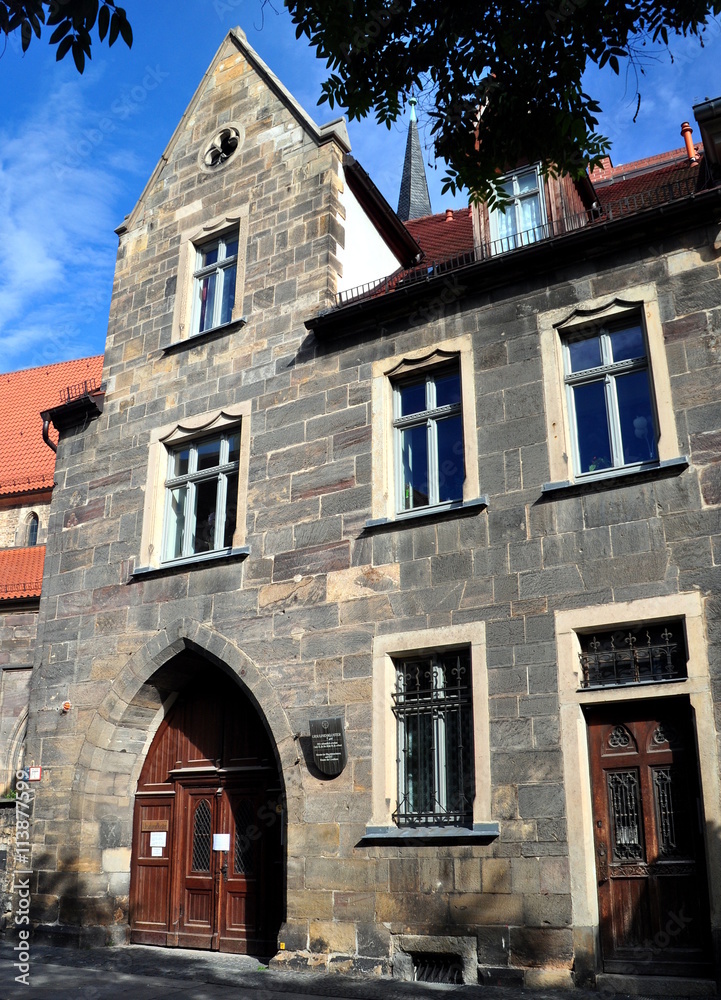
[75, 152]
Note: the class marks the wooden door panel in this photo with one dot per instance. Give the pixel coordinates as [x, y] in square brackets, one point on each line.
[196, 877]
[650, 860]
[187, 894]
[150, 888]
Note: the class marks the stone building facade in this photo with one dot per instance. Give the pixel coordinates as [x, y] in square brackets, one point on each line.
[26, 480]
[254, 534]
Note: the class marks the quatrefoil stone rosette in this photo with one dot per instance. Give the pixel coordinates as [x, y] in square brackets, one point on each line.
[222, 146]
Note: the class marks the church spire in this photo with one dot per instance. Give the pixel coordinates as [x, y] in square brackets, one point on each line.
[413, 201]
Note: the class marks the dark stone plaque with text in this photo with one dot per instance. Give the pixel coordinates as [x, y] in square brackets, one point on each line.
[328, 743]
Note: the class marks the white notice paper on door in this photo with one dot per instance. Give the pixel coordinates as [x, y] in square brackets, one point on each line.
[157, 839]
[221, 841]
[156, 852]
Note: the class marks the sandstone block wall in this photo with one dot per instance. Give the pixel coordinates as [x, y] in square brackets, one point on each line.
[318, 587]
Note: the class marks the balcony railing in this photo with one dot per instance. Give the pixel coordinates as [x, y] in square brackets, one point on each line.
[610, 211]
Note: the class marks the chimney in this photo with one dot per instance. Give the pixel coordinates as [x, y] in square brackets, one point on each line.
[449, 215]
[687, 132]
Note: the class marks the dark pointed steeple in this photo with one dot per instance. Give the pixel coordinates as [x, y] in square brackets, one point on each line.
[414, 200]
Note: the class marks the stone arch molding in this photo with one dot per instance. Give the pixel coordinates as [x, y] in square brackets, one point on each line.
[104, 757]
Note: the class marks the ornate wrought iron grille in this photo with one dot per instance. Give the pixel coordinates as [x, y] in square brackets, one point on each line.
[665, 785]
[634, 655]
[244, 820]
[437, 969]
[201, 837]
[624, 804]
[433, 706]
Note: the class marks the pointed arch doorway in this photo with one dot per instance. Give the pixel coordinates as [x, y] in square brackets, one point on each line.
[206, 867]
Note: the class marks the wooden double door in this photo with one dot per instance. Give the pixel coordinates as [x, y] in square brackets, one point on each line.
[206, 868]
[649, 842]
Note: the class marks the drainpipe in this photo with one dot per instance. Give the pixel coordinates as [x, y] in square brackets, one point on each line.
[46, 428]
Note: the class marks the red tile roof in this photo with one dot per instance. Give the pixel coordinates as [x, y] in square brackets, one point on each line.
[21, 572]
[445, 235]
[26, 462]
[672, 156]
[632, 190]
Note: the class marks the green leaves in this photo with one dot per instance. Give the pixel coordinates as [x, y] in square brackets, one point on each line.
[499, 83]
[73, 20]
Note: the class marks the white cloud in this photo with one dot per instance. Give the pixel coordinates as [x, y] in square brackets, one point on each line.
[57, 196]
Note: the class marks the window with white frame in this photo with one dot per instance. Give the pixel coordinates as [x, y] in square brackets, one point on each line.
[201, 495]
[216, 267]
[428, 431]
[432, 703]
[523, 220]
[610, 398]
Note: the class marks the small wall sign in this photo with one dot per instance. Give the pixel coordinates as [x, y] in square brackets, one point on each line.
[328, 743]
[221, 841]
[35, 773]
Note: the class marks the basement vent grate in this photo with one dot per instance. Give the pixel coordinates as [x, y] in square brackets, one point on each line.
[428, 968]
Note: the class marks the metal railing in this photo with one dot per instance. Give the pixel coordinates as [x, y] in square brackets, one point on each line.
[633, 656]
[80, 389]
[609, 211]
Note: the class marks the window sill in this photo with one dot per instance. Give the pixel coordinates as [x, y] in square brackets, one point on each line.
[191, 561]
[458, 508]
[613, 475]
[429, 836]
[630, 684]
[205, 336]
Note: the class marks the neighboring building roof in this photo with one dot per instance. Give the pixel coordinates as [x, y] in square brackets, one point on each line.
[607, 171]
[631, 190]
[413, 200]
[26, 462]
[445, 235]
[21, 572]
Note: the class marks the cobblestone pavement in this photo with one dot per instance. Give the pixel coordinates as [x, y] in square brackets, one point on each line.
[146, 973]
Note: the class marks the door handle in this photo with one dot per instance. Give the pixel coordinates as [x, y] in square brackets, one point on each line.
[224, 870]
[602, 864]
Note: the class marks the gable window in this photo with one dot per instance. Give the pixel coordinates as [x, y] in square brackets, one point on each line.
[433, 707]
[524, 217]
[609, 398]
[428, 429]
[201, 495]
[214, 278]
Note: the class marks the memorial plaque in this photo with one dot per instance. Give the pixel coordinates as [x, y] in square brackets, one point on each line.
[328, 742]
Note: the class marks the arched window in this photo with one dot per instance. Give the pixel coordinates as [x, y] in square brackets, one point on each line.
[32, 530]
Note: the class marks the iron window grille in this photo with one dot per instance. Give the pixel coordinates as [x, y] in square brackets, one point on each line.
[634, 655]
[201, 493]
[433, 707]
[216, 267]
[522, 222]
[610, 399]
[428, 430]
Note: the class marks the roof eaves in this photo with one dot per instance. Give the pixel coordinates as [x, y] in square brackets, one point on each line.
[495, 271]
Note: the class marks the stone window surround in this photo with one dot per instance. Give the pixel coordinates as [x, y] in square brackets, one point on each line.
[161, 439]
[383, 503]
[190, 240]
[384, 742]
[640, 300]
[574, 742]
